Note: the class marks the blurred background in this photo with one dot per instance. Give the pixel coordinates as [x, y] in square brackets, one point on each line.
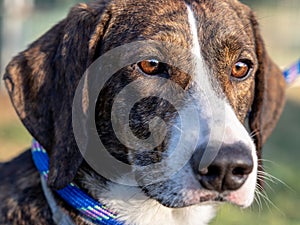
[23, 21]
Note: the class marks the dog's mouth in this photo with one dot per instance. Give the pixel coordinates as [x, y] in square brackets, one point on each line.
[203, 197]
[226, 197]
[177, 194]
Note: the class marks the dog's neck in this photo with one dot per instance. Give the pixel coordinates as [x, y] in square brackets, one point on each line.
[134, 207]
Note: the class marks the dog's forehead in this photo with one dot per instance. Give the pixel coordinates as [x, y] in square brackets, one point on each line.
[149, 20]
[224, 25]
[168, 21]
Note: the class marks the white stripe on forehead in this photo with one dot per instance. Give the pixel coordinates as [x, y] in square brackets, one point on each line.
[194, 32]
[200, 75]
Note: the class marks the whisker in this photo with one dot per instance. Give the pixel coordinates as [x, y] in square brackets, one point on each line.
[261, 178]
[254, 133]
[264, 198]
[268, 202]
[266, 160]
[258, 200]
[274, 179]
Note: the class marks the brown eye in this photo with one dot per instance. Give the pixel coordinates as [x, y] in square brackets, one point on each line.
[240, 70]
[152, 67]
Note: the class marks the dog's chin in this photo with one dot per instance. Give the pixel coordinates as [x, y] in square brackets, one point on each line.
[206, 198]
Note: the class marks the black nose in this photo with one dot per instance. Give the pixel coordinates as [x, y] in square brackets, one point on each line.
[229, 170]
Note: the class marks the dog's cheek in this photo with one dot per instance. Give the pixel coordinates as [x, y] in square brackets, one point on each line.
[103, 113]
[140, 117]
[245, 99]
[240, 97]
[165, 147]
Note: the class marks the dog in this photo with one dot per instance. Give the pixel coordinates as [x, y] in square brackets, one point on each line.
[229, 57]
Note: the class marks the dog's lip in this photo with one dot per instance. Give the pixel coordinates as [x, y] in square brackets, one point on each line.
[201, 197]
[225, 198]
[209, 198]
[213, 197]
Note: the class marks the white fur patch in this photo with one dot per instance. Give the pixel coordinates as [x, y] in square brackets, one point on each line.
[236, 132]
[134, 207]
[233, 131]
[194, 32]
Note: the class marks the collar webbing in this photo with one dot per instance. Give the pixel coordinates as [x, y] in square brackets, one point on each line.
[292, 73]
[72, 194]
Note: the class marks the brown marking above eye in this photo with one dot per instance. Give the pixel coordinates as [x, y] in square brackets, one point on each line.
[153, 67]
[240, 69]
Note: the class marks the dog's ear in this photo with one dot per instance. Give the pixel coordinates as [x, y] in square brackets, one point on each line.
[42, 80]
[269, 95]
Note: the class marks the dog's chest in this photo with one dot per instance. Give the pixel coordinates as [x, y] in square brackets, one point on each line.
[134, 207]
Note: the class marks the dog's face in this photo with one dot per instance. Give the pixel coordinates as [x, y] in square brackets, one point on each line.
[229, 78]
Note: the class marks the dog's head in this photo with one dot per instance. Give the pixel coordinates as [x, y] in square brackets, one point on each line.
[227, 57]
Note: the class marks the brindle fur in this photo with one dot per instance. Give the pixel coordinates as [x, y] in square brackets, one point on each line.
[41, 82]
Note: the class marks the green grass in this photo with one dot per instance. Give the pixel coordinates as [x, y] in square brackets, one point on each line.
[13, 133]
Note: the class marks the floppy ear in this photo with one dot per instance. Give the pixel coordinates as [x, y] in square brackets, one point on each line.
[269, 96]
[42, 80]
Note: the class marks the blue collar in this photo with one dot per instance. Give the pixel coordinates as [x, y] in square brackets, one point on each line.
[71, 194]
[292, 73]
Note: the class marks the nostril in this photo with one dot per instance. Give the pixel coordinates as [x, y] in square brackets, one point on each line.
[212, 177]
[213, 171]
[242, 167]
[239, 171]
